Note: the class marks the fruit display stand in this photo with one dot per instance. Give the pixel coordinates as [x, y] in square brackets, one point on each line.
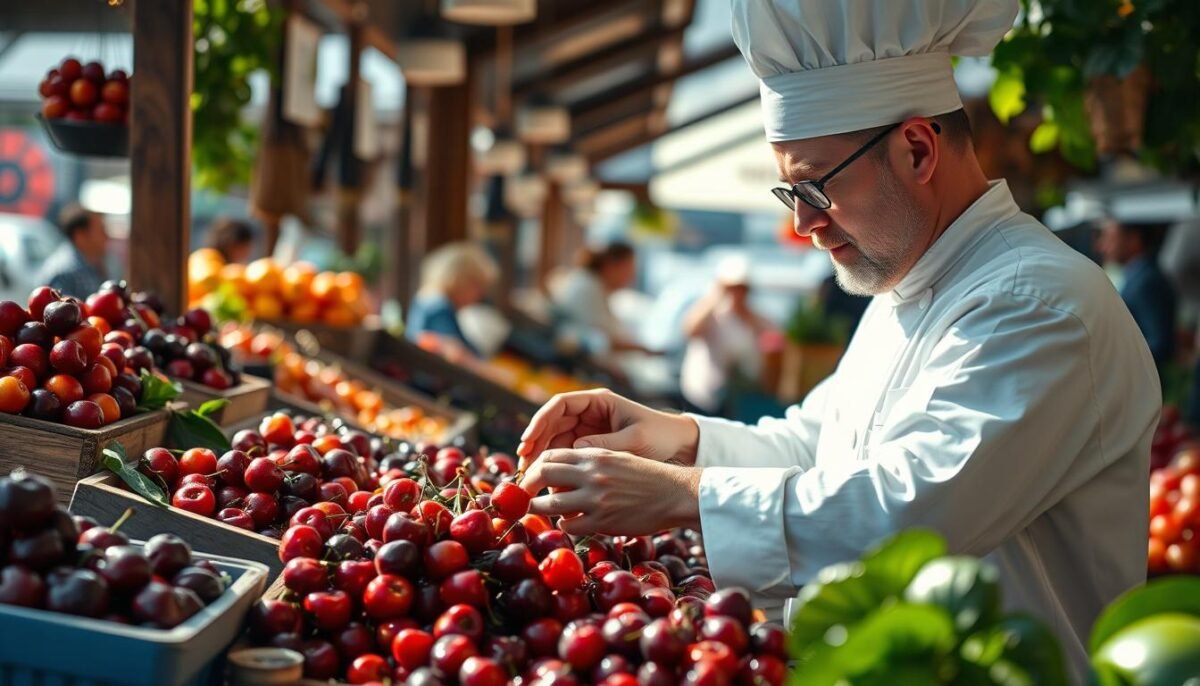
[65, 454]
[37, 644]
[248, 399]
[503, 412]
[104, 498]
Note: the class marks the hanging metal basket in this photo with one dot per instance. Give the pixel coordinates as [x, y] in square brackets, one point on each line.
[87, 138]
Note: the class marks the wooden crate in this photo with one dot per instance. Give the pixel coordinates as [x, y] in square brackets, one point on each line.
[65, 454]
[105, 497]
[247, 399]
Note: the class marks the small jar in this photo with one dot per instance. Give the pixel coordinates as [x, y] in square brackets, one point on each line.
[265, 666]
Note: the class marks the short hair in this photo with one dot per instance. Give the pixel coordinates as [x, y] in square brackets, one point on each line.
[452, 264]
[1151, 234]
[596, 259]
[73, 219]
[225, 233]
[955, 128]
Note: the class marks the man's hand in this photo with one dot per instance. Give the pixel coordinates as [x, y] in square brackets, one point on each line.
[603, 419]
[601, 491]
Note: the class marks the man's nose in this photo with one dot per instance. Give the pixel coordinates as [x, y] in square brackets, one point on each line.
[807, 218]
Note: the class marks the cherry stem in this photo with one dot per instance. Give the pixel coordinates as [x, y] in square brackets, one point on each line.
[124, 518]
[509, 530]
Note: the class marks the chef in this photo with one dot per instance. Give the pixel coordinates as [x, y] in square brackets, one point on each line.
[997, 389]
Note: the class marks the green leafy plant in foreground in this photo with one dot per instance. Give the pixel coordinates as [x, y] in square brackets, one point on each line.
[908, 613]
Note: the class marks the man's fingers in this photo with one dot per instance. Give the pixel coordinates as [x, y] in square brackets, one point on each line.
[554, 469]
[564, 503]
[579, 525]
[625, 440]
[546, 422]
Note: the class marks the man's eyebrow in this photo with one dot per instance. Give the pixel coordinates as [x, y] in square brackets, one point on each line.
[803, 168]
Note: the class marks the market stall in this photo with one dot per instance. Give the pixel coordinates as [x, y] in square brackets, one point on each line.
[227, 471]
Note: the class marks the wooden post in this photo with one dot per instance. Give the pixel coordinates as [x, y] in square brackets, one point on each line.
[160, 141]
[349, 189]
[398, 281]
[443, 185]
[554, 224]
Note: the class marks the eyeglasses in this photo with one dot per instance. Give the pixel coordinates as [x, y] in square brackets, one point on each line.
[813, 192]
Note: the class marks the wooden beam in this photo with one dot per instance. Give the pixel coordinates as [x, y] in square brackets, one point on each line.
[553, 226]
[595, 111]
[160, 143]
[348, 197]
[597, 154]
[598, 62]
[547, 28]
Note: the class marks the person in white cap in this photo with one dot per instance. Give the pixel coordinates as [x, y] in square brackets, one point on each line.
[996, 390]
[723, 334]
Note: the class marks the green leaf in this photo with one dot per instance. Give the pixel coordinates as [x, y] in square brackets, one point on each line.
[896, 562]
[157, 392]
[115, 460]
[965, 587]
[1175, 594]
[1020, 649]
[210, 407]
[1044, 138]
[844, 594]
[1007, 96]
[918, 636]
[191, 429]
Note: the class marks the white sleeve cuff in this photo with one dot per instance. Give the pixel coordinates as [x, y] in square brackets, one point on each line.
[719, 440]
[741, 517]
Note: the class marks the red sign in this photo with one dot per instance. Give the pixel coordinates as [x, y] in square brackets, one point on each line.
[26, 175]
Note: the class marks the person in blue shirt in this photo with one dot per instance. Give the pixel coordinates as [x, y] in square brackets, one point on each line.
[76, 267]
[454, 276]
[1146, 289]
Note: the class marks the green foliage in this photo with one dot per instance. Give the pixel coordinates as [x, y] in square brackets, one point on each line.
[115, 460]
[908, 614]
[192, 429]
[157, 392]
[233, 39]
[1167, 595]
[810, 324]
[1061, 44]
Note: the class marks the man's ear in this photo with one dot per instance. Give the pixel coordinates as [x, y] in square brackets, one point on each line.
[923, 147]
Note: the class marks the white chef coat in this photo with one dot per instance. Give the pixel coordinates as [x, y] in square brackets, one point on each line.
[1001, 395]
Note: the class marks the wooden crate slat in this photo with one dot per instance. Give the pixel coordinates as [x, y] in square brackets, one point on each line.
[103, 497]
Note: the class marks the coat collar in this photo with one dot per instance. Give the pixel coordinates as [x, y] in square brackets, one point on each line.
[993, 207]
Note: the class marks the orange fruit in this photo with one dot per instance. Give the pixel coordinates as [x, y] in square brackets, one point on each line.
[108, 406]
[266, 305]
[263, 276]
[296, 281]
[66, 387]
[14, 395]
[350, 286]
[340, 316]
[235, 275]
[324, 287]
[304, 311]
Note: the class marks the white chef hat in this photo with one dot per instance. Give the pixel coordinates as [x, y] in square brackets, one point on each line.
[834, 66]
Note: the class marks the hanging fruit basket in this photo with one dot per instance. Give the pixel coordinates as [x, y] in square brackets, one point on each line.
[88, 138]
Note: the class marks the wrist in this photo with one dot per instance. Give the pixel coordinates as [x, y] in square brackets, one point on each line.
[687, 439]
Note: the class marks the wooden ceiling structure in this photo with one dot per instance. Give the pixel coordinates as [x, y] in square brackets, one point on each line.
[612, 64]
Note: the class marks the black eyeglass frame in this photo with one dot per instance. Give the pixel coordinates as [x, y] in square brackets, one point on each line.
[813, 192]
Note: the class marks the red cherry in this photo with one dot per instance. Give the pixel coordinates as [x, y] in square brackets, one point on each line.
[562, 570]
[511, 501]
[300, 541]
[445, 558]
[460, 619]
[368, 668]
[450, 652]
[330, 609]
[480, 671]
[196, 499]
[387, 597]
[411, 648]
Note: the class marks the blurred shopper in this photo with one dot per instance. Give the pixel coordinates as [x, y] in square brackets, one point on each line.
[722, 334]
[581, 295]
[1146, 290]
[453, 277]
[76, 268]
[233, 238]
[1180, 260]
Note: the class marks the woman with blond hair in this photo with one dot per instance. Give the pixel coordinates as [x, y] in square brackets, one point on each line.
[453, 277]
